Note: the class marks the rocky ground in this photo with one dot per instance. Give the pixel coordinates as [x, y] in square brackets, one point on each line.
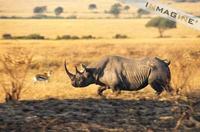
[99, 115]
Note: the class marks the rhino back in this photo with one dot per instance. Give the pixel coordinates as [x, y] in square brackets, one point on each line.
[125, 73]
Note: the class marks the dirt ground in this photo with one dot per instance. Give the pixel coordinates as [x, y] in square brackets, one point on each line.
[99, 115]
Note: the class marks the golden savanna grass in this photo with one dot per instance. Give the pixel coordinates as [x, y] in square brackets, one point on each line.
[49, 55]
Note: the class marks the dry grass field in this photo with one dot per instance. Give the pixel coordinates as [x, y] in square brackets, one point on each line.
[49, 55]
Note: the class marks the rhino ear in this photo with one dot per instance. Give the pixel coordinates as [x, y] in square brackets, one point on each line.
[86, 69]
[84, 66]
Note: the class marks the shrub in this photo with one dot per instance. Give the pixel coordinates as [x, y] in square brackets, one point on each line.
[54, 64]
[40, 16]
[40, 9]
[35, 65]
[75, 37]
[183, 85]
[58, 11]
[64, 37]
[4, 17]
[88, 37]
[187, 0]
[15, 65]
[72, 17]
[31, 36]
[120, 36]
[34, 36]
[141, 12]
[67, 37]
[126, 8]
[115, 9]
[162, 24]
[92, 7]
[7, 36]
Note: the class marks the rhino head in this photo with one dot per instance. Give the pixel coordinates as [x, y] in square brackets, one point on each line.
[81, 78]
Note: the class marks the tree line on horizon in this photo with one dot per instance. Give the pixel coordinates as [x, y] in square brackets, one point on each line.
[115, 10]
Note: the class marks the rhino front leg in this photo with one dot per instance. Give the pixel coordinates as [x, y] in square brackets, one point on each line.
[100, 90]
[116, 91]
[169, 89]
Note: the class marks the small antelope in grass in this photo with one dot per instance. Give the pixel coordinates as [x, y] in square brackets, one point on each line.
[42, 77]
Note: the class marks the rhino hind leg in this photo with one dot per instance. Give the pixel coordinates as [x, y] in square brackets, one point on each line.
[158, 87]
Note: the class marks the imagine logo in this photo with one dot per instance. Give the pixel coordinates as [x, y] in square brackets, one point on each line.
[167, 12]
[170, 13]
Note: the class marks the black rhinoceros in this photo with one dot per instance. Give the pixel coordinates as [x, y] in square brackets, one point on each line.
[119, 73]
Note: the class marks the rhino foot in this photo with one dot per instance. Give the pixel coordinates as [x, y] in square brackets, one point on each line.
[100, 91]
[116, 92]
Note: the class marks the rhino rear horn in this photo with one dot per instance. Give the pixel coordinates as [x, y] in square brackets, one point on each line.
[77, 71]
[84, 67]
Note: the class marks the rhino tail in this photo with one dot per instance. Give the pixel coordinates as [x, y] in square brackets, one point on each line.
[168, 62]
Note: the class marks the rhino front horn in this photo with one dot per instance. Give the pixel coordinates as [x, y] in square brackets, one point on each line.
[71, 76]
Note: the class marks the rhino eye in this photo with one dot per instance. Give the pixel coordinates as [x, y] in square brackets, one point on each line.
[79, 79]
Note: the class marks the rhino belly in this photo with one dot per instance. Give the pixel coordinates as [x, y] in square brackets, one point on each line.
[135, 79]
[138, 85]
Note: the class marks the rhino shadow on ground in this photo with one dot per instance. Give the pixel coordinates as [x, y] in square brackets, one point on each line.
[88, 115]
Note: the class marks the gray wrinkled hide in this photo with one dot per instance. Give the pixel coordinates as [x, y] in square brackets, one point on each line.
[132, 74]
